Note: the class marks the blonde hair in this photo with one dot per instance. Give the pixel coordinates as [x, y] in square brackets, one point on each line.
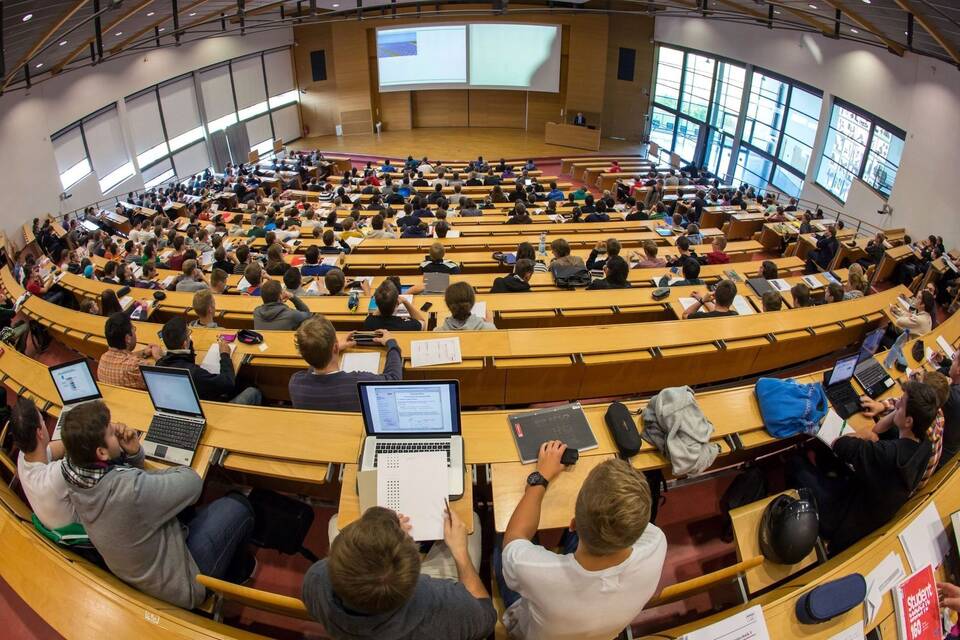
[613, 507]
[857, 279]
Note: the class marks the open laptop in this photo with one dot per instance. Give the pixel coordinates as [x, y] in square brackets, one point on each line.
[869, 373]
[178, 420]
[435, 282]
[412, 417]
[75, 384]
[843, 397]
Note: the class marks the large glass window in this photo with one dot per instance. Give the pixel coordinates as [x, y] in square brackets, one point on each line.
[662, 127]
[688, 132]
[697, 84]
[765, 113]
[669, 72]
[727, 96]
[843, 151]
[800, 129]
[883, 160]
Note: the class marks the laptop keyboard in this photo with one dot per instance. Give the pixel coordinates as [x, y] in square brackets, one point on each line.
[843, 395]
[398, 446]
[172, 432]
[872, 375]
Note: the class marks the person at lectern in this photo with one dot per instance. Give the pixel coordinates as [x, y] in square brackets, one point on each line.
[579, 119]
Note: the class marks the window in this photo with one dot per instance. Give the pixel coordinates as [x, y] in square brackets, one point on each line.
[688, 132]
[146, 127]
[222, 123]
[284, 98]
[70, 153]
[116, 176]
[883, 160]
[178, 102]
[800, 129]
[662, 127]
[250, 87]
[669, 71]
[719, 150]
[765, 111]
[108, 149]
[753, 168]
[160, 173]
[697, 83]
[216, 87]
[727, 96]
[186, 138]
[843, 151]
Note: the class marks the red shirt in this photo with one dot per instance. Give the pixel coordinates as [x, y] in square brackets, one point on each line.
[717, 257]
[35, 288]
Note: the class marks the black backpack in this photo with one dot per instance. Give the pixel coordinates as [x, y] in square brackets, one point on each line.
[749, 486]
[571, 277]
[281, 523]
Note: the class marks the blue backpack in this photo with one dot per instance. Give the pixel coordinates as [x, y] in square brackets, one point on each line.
[789, 408]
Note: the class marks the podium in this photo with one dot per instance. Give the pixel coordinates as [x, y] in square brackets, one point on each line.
[568, 135]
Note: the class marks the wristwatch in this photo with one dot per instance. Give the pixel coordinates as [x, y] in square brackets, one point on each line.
[535, 479]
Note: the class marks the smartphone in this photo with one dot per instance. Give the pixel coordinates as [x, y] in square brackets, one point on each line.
[675, 270]
[228, 337]
[426, 306]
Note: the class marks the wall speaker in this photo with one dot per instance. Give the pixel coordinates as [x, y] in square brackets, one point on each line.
[318, 65]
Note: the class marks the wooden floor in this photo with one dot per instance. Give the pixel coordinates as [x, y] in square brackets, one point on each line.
[457, 143]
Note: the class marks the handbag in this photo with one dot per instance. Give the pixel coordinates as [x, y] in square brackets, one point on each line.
[789, 408]
[831, 599]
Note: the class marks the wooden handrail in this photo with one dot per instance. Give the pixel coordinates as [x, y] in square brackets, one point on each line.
[687, 588]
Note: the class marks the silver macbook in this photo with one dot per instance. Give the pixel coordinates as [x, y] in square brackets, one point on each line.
[413, 417]
[75, 384]
[178, 419]
[434, 282]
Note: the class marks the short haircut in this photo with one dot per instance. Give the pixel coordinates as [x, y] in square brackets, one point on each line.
[560, 247]
[116, 329]
[84, 428]
[328, 237]
[386, 297]
[24, 424]
[460, 299]
[270, 291]
[725, 293]
[772, 301]
[769, 270]
[691, 269]
[188, 267]
[218, 277]
[940, 385]
[174, 332]
[613, 507]
[334, 281]
[617, 270]
[376, 222]
[835, 289]
[437, 251]
[720, 243]
[683, 243]
[292, 279]
[202, 301]
[374, 565]
[314, 339]
[650, 248]
[921, 406]
[313, 254]
[253, 274]
[525, 251]
[523, 266]
[929, 302]
[801, 295]
[613, 247]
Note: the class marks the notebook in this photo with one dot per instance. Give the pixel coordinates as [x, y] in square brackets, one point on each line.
[566, 423]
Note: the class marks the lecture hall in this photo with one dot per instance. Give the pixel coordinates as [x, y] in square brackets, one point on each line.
[581, 320]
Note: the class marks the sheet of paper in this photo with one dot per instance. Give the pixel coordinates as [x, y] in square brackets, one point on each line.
[904, 303]
[925, 540]
[453, 233]
[206, 258]
[779, 284]
[330, 261]
[832, 428]
[316, 288]
[211, 359]
[856, 632]
[479, 309]
[359, 361]
[425, 353]
[946, 347]
[125, 302]
[166, 282]
[244, 284]
[416, 485]
[686, 303]
[743, 307]
[813, 281]
[749, 624]
[884, 577]
[401, 310]
[353, 242]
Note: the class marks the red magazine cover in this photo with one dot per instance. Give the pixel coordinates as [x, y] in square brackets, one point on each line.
[918, 608]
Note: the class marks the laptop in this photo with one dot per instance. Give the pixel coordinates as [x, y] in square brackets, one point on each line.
[178, 420]
[75, 384]
[412, 417]
[434, 282]
[869, 373]
[760, 285]
[840, 392]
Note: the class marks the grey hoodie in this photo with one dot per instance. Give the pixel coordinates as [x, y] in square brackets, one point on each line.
[280, 317]
[441, 609]
[131, 518]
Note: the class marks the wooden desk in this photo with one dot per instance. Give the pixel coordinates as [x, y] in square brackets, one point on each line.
[891, 258]
[568, 135]
[566, 163]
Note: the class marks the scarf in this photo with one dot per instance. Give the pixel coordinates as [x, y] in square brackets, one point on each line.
[83, 476]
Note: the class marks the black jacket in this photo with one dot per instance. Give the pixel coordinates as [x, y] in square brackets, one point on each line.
[220, 388]
[509, 284]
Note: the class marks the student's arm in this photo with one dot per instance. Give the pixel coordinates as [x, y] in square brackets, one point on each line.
[56, 449]
[455, 536]
[415, 313]
[525, 520]
[298, 303]
[393, 368]
[162, 495]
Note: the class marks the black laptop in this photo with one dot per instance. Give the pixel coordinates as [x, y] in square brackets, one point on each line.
[843, 397]
[871, 375]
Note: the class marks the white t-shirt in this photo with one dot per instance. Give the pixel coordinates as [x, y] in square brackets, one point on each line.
[46, 491]
[562, 600]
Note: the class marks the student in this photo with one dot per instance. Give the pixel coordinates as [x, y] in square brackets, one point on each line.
[562, 257]
[834, 293]
[253, 274]
[192, 278]
[650, 259]
[312, 266]
[460, 299]
[435, 262]
[769, 270]
[373, 584]
[718, 256]
[606, 248]
[378, 231]
[323, 387]
[204, 305]
[131, 514]
[387, 297]
[713, 305]
[884, 474]
[257, 230]
[525, 251]
[120, 365]
[218, 281]
[293, 282]
[517, 281]
[615, 274]
[273, 314]
[920, 321]
[801, 296]
[691, 275]
[612, 561]
[772, 301]
[686, 253]
[39, 467]
[276, 265]
[554, 195]
[820, 258]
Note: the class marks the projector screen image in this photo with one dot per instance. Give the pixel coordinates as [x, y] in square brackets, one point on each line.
[483, 56]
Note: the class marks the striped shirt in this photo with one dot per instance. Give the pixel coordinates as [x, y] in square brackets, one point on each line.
[338, 391]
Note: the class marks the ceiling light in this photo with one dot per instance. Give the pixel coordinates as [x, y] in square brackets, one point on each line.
[118, 33]
[163, 28]
[63, 42]
[866, 1]
[852, 30]
[27, 17]
[335, 5]
[151, 14]
[777, 12]
[193, 14]
[812, 6]
[39, 64]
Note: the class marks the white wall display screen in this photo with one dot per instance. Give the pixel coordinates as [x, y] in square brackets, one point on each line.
[422, 57]
[515, 56]
[485, 56]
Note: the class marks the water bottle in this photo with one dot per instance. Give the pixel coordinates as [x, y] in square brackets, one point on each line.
[543, 242]
[354, 300]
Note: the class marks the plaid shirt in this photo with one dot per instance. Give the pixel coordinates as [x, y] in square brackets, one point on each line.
[122, 368]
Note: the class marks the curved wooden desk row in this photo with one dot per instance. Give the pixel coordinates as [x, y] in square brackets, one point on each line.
[566, 163]
[30, 560]
[519, 366]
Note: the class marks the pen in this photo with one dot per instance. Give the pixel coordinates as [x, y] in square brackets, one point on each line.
[446, 501]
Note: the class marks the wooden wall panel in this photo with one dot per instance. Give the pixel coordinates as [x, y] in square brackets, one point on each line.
[626, 102]
[546, 107]
[396, 111]
[352, 69]
[441, 108]
[587, 63]
[318, 106]
[498, 108]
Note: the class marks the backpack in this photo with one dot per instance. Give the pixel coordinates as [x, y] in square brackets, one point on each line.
[749, 486]
[281, 523]
[40, 336]
[571, 277]
[789, 408]
[658, 486]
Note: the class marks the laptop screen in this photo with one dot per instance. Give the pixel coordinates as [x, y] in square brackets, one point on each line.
[410, 409]
[172, 390]
[871, 343]
[843, 370]
[74, 382]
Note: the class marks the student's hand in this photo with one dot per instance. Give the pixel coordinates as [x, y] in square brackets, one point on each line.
[154, 351]
[285, 295]
[949, 595]
[349, 342]
[548, 461]
[223, 344]
[455, 534]
[871, 408]
[405, 523]
[382, 336]
[128, 438]
[601, 245]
